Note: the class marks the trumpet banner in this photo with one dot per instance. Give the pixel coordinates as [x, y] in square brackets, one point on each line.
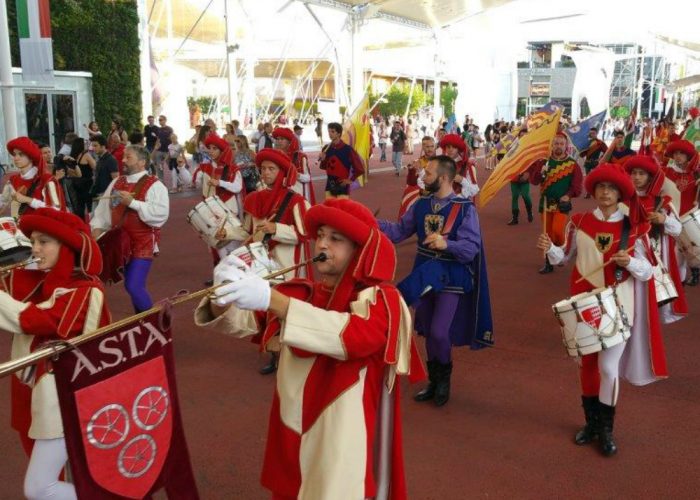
[121, 416]
[533, 146]
[357, 133]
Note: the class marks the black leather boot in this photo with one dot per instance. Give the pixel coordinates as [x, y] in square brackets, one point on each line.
[271, 367]
[529, 213]
[429, 392]
[589, 431]
[548, 268]
[442, 387]
[514, 220]
[694, 277]
[606, 421]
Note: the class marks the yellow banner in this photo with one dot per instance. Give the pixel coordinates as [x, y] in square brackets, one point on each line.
[533, 146]
[356, 132]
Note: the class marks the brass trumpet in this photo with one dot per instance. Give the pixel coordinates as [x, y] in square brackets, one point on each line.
[16, 265]
[47, 352]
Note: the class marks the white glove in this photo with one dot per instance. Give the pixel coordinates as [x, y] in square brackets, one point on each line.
[230, 268]
[251, 293]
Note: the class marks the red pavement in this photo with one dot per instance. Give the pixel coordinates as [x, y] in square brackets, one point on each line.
[506, 432]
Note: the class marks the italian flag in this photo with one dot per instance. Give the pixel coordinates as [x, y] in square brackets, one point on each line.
[34, 28]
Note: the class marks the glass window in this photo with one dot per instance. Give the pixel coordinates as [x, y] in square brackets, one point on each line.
[63, 118]
[37, 113]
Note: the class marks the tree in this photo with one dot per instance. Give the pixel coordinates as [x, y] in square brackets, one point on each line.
[99, 36]
[396, 99]
[448, 96]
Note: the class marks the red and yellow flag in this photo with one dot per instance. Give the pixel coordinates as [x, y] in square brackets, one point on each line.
[356, 132]
[533, 146]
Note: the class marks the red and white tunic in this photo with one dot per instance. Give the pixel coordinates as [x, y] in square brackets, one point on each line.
[35, 317]
[230, 188]
[469, 187]
[593, 240]
[686, 184]
[144, 216]
[43, 189]
[334, 429]
[289, 245]
[303, 186]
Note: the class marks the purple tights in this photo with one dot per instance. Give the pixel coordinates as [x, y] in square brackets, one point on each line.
[135, 275]
[437, 342]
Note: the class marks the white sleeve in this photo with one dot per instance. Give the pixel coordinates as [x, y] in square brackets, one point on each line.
[155, 210]
[469, 189]
[10, 310]
[304, 178]
[35, 204]
[672, 226]
[639, 267]
[235, 186]
[102, 217]
[6, 196]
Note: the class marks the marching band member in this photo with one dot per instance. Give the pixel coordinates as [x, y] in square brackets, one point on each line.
[560, 180]
[617, 152]
[342, 164]
[607, 236]
[60, 299]
[465, 181]
[520, 188]
[138, 204]
[342, 339]
[448, 284]
[684, 171]
[414, 178]
[286, 140]
[658, 209]
[221, 176]
[592, 154]
[32, 188]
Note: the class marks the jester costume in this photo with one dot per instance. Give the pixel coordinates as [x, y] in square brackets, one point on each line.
[556, 178]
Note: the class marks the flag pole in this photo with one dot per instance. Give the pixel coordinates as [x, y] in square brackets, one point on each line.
[6, 82]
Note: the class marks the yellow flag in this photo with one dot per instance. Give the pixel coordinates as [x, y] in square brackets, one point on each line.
[533, 146]
[356, 133]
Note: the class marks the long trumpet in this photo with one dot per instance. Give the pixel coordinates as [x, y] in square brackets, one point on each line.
[48, 352]
[10, 267]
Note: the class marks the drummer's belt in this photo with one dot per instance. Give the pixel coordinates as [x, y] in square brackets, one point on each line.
[425, 252]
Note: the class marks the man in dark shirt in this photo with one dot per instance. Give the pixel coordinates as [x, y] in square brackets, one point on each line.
[106, 168]
[150, 132]
[398, 142]
[617, 152]
[161, 156]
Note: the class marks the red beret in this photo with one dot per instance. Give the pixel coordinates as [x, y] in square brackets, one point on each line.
[283, 133]
[216, 141]
[562, 134]
[453, 140]
[694, 112]
[683, 146]
[608, 172]
[646, 163]
[28, 147]
[276, 156]
[377, 257]
[70, 230]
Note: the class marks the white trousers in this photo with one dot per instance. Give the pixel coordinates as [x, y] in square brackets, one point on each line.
[609, 369]
[49, 456]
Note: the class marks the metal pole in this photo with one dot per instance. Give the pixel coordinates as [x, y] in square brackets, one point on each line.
[652, 82]
[231, 61]
[6, 85]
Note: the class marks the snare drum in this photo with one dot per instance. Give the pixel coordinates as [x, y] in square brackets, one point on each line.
[592, 321]
[14, 245]
[689, 239]
[256, 257]
[210, 216]
[665, 289]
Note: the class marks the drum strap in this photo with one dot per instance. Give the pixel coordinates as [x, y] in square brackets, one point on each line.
[135, 193]
[280, 212]
[656, 229]
[30, 192]
[624, 243]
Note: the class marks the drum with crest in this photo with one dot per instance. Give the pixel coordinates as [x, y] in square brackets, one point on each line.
[689, 239]
[255, 255]
[592, 321]
[14, 245]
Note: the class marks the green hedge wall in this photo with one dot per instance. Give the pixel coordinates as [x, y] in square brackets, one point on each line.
[99, 36]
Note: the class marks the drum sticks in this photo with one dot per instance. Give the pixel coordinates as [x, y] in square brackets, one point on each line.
[602, 266]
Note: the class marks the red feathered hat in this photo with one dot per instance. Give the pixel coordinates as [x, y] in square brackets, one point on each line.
[71, 231]
[29, 148]
[376, 259]
[683, 146]
[216, 141]
[609, 172]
